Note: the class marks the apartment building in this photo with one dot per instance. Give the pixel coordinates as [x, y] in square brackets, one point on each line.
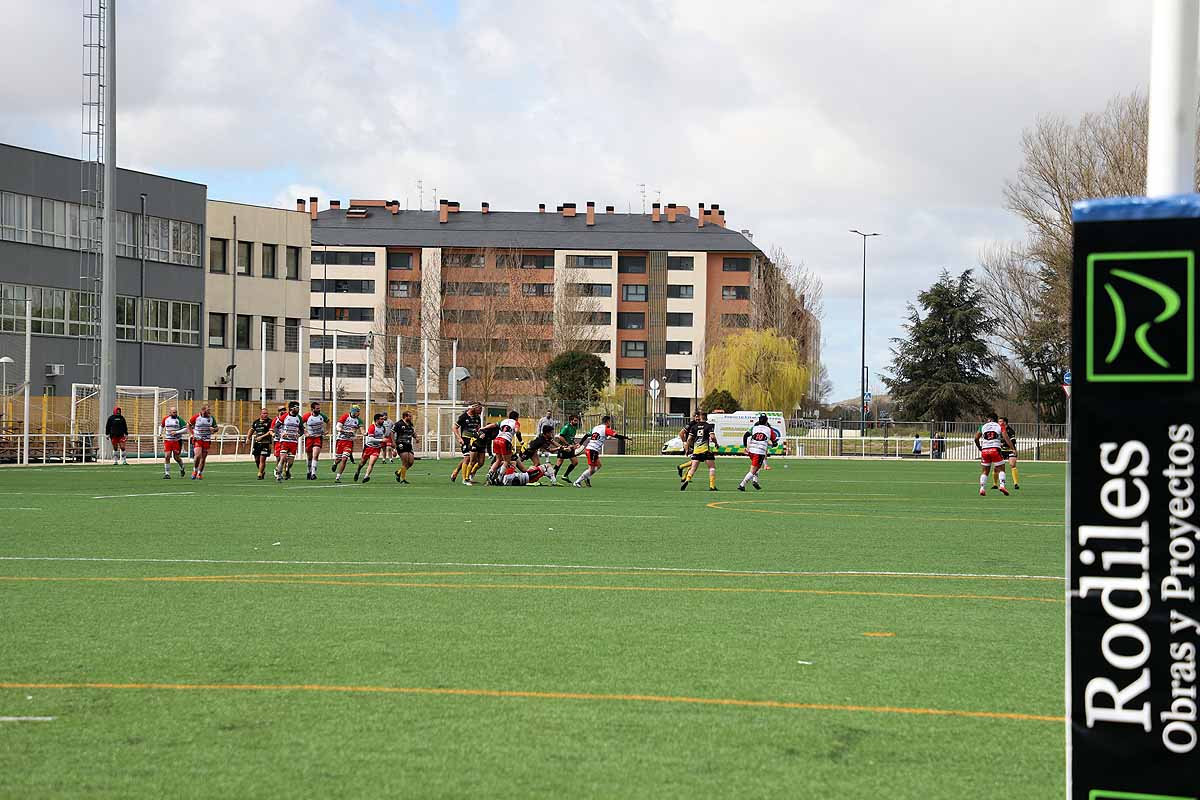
[256, 297]
[159, 274]
[500, 292]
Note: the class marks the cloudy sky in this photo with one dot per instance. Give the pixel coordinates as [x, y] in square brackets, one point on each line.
[802, 118]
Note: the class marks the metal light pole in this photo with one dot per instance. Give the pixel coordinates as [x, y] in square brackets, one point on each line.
[862, 395]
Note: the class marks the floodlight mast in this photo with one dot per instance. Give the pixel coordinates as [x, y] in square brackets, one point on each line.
[108, 271]
[1171, 145]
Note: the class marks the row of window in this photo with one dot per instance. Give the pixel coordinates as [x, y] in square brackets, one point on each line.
[346, 258]
[638, 292]
[625, 264]
[325, 370]
[342, 286]
[69, 312]
[243, 327]
[218, 259]
[340, 342]
[58, 223]
[638, 376]
[342, 314]
[633, 348]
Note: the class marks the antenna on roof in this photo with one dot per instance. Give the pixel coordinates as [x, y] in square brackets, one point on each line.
[420, 194]
[642, 189]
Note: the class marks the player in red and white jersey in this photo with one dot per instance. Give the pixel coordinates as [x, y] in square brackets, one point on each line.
[518, 477]
[508, 431]
[991, 439]
[345, 431]
[592, 448]
[315, 426]
[291, 428]
[757, 441]
[280, 413]
[173, 428]
[372, 447]
[202, 426]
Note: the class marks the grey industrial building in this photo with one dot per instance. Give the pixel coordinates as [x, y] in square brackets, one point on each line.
[160, 274]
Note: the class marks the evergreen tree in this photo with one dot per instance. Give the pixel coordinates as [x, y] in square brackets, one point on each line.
[942, 368]
[573, 379]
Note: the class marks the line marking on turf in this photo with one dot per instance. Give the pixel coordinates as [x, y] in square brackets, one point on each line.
[284, 580]
[20, 508]
[879, 634]
[28, 719]
[531, 695]
[721, 505]
[540, 514]
[706, 570]
[145, 494]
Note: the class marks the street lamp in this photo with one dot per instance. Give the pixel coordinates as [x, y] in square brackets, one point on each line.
[4, 362]
[862, 395]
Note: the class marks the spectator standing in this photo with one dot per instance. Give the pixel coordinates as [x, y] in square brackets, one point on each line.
[117, 430]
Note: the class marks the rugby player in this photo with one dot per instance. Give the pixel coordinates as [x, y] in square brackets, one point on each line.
[117, 430]
[173, 428]
[290, 430]
[259, 439]
[545, 440]
[520, 477]
[566, 448]
[703, 442]
[344, 432]
[315, 425]
[994, 439]
[201, 427]
[483, 449]
[372, 447]
[593, 448]
[404, 434]
[687, 436]
[466, 430]
[503, 447]
[1010, 455]
[757, 441]
[276, 429]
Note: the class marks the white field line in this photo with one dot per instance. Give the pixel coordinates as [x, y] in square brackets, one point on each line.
[28, 719]
[540, 514]
[145, 494]
[19, 508]
[711, 570]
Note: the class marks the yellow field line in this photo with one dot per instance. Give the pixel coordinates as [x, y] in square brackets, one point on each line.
[503, 693]
[542, 586]
[721, 505]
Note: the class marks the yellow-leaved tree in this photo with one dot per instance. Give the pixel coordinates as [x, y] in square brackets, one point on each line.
[761, 368]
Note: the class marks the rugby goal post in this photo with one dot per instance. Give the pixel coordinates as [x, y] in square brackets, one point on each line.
[142, 407]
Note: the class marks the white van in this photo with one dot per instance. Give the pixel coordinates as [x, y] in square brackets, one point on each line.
[729, 430]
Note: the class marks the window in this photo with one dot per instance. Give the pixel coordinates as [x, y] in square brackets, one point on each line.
[269, 396]
[525, 317]
[217, 249]
[678, 348]
[635, 265]
[631, 320]
[184, 243]
[342, 286]
[293, 263]
[49, 310]
[536, 346]
[346, 342]
[680, 291]
[633, 349]
[343, 258]
[127, 318]
[735, 292]
[676, 319]
[156, 239]
[591, 289]
[291, 394]
[634, 292]
[291, 334]
[679, 376]
[596, 346]
[352, 370]
[82, 313]
[537, 289]
[245, 258]
[14, 217]
[474, 289]
[269, 324]
[474, 260]
[216, 329]
[590, 262]
[460, 315]
[403, 288]
[680, 263]
[399, 260]
[185, 323]
[591, 318]
[156, 321]
[268, 260]
[320, 370]
[126, 234]
[634, 376]
[399, 316]
[735, 320]
[48, 222]
[320, 342]
[343, 314]
[12, 308]
[242, 331]
[537, 262]
[735, 265]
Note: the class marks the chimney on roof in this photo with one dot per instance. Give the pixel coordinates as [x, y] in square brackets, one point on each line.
[335, 204]
[591, 213]
[721, 218]
[300, 204]
[454, 206]
[395, 207]
[700, 216]
[443, 211]
[485, 208]
[655, 214]
[671, 212]
[609, 210]
[541, 208]
[312, 207]
[568, 209]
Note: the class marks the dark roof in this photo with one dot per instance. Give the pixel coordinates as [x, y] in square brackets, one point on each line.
[529, 230]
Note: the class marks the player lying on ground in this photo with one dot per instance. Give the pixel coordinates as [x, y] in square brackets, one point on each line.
[259, 439]
[344, 433]
[315, 425]
[757, 441]
[404, 434]
[702, 440]
[989, 440]
[201, 426]
[290, 429]
[117, 431]
[372, 447]
[173, 427]
[521, 477]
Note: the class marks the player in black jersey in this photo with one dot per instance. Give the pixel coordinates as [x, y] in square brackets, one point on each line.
[702, 439]
[466, 430]
[686, 435]
[404, 435]
[544, 441]
[1009, 454]
[259, 439]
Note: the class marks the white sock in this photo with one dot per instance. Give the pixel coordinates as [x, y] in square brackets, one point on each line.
[587, 473]
[1001, 478]
[983, 481]
[749, 477]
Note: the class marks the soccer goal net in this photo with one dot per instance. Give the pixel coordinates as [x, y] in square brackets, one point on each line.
[142, 407]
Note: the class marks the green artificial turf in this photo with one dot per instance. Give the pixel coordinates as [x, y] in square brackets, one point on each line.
[544, 641]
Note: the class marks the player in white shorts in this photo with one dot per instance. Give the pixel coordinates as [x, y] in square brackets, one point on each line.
[201, 426]
[347, 428]
[315, 426]
[290, 430]
[372, 447]
[173, 427]
[757, 441]
[991, 439]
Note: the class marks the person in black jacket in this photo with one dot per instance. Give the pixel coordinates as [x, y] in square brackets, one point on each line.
[116, 429]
